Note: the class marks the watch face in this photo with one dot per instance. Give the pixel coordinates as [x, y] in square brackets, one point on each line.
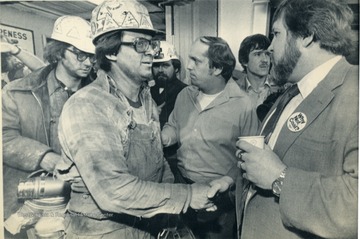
[276, 187]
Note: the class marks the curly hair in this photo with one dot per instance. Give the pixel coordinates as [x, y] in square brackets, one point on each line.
[55, 50]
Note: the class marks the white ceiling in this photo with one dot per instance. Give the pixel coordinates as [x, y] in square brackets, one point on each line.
[55, 9]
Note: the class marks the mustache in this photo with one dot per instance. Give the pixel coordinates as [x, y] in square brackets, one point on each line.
[160, 75]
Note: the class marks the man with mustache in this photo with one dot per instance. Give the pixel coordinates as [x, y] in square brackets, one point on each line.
[304, 184]
[16, 62]
[255, 60]
[31, 106]
[166, 71]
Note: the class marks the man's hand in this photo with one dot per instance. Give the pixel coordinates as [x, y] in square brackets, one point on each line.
[199, 198]
[219, 185]
[260, 166]
[8, 48]
[159, 107]
[49, 161]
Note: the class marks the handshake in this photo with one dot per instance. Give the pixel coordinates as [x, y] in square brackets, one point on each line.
[203, 195]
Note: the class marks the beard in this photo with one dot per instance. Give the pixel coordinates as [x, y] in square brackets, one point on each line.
[162, 79]
[285, 66]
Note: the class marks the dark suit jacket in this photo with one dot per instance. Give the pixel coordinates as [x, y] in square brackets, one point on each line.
[168, 95]
[319, 197]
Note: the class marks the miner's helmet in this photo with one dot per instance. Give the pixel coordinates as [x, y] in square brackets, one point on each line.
[113, 15]
[167, 52]
[75, 31]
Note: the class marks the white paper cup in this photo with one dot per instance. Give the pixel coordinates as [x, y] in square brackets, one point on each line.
[257, 141]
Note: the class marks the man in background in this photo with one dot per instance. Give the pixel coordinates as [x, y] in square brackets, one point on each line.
[166, 69]
[16, 62]
[31, 107]
[255, 79]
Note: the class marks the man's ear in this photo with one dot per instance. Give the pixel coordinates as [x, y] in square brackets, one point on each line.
[111, 57]
[217, 71]
[306, 41]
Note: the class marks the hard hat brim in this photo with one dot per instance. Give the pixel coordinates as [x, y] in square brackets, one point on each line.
[85, 45]
[151, 32]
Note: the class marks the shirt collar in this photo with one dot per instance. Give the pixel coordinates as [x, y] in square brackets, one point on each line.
[308, 83]
[248, 84]
[53, 83]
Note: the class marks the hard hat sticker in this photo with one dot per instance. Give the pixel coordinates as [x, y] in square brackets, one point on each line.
[109, 23]
[120, 15]
[145, 21]
[74, 33]
[297, 121]
[130, 20]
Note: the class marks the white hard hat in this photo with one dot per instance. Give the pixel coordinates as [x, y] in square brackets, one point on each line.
[167, 52]
[75, 31]
[114, 15]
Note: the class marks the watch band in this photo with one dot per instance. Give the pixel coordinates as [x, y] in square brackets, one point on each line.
[278, 183]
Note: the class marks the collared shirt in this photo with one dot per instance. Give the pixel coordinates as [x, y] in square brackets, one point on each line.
[207, 137]
[204, 99]
[306, 85]
[58, 96]
[259, 96]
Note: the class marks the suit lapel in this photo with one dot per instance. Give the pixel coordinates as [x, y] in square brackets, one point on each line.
[312, 106]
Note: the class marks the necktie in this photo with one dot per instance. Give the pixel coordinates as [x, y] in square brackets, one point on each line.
[285, 98]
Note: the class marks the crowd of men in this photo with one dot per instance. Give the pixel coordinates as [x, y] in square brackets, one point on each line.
[143, 162]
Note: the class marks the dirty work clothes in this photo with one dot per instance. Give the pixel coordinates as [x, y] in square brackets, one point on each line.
[29, 114]
[118, 160]
[207, 137]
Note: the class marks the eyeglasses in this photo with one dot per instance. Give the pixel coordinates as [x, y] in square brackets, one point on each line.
[82, 56]
[141, 45]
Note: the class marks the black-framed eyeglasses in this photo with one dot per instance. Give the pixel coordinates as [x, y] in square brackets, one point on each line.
[82, 56]
[141, 45]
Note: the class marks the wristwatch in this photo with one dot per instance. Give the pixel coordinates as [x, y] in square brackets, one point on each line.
[277, 184]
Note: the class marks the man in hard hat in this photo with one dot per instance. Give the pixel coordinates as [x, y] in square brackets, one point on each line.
[31, 106]
[166, 70]
[110, 135]
[207, 119]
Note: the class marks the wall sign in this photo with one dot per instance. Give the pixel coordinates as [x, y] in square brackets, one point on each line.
[22, 37]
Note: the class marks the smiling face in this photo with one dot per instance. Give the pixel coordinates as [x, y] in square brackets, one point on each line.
[136, 66]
